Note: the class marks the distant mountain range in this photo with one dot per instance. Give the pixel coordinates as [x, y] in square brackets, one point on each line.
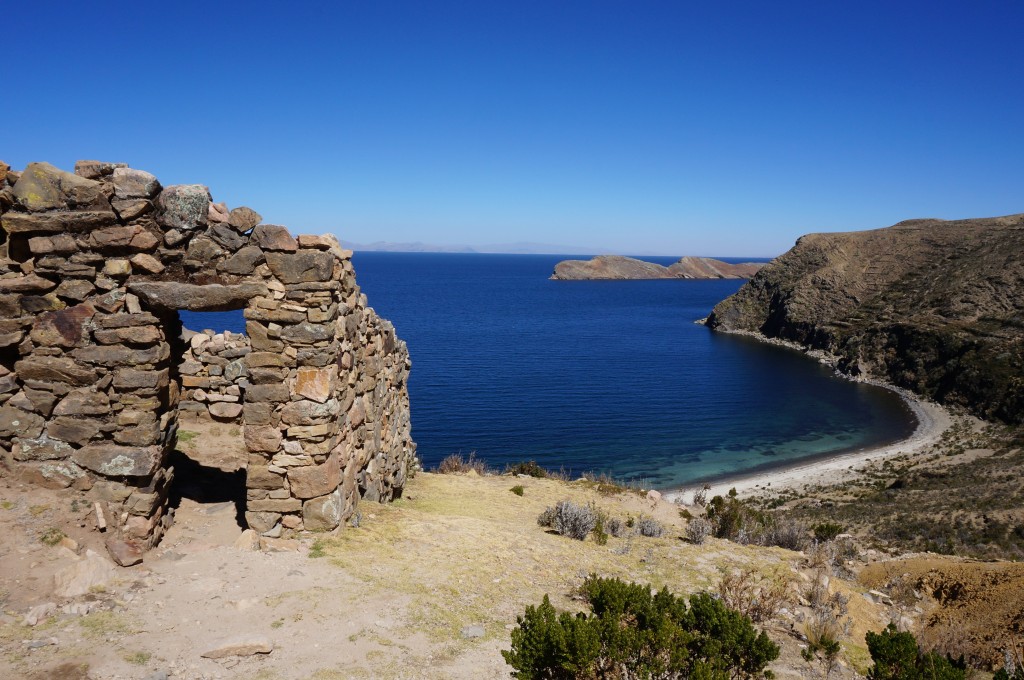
[518, 248]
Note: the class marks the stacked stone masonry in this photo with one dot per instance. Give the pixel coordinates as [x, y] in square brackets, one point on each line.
[94, 266]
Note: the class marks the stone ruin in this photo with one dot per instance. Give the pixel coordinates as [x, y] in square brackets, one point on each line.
[94, 363]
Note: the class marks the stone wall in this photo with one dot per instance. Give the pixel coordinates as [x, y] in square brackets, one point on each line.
[93, 268]
[213, 374]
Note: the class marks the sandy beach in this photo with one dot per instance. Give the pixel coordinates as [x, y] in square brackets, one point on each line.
[932, 420]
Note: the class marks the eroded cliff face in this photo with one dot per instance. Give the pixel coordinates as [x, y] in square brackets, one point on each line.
[934, 306]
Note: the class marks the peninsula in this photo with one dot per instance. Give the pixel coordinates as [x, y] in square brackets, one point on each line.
[929, 305]
[619, 267]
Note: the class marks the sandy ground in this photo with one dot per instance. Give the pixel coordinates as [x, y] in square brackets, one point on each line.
[933, 421]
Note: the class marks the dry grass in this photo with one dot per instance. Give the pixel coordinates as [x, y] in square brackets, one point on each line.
[464, 551]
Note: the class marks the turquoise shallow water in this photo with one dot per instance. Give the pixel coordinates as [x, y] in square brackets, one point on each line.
[609, 376]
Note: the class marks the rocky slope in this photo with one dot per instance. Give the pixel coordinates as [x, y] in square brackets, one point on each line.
[931, 305]
[619, 267]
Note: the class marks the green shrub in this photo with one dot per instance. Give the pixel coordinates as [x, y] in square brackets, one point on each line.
[827, 531]
[528, 467]
[517, 489]
[631, 633]
[52, 536]
[896, 656]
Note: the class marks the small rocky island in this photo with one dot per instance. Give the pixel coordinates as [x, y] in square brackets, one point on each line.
[619, 267]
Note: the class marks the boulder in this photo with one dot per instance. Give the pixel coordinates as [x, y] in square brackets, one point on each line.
[183, 206]
[243, 219]
[130, 183]
[43, 187]
[125, 553]
[87, 573]
[273, 237]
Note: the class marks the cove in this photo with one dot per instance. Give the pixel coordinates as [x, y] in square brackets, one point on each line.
[607, 376]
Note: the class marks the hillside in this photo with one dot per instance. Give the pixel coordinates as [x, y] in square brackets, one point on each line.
[619, 267]
[934, 306]
[431, 585]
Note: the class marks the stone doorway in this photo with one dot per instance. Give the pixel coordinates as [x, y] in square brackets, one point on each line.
[94, 267]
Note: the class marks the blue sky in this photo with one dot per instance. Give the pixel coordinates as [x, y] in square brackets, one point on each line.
[719, 128]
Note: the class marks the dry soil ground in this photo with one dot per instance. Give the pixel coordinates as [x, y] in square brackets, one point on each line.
[427, 587]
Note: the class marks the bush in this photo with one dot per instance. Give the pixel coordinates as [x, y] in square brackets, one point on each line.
[697, 530]
[827, 531]
[786, 533]
[569, 519]
[896, 656]
[753, 594]
[616, 527]
[529, 467]
[456, 464]
[518, 489]
[649, 528]
[736, 520]
[631, 633]
[574, 521]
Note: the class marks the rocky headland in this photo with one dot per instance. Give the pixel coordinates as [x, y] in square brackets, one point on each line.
[930, 305]
[619, 267]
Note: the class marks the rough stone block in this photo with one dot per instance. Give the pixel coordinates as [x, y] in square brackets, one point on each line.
[272, 237]
[303, 266]
[77, 431]
[315, 480]
[15, 422]
[44, 187]
[131, 183]
[42, 448]
[183, 206]
[262, 438]
[277, 393]
[316, 384]
[83, 402]
[112, 460]
[323, 513]
[243, 219]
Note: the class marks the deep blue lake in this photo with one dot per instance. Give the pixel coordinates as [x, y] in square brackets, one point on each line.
[609, 376]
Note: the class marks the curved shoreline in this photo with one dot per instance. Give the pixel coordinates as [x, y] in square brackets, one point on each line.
[932, 421]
